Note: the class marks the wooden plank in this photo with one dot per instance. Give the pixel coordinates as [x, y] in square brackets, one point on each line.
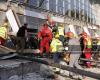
[83, 59]
[6, 50]
[8, 56]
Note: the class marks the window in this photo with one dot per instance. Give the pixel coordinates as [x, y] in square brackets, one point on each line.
[21, 18]
[44, 4]
[60, 6]
[73, 8]
[66, 7]
[33, 2]
[77, 8]
[52, 5]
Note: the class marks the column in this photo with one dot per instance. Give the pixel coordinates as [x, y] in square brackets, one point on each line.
[69, 8]
[83, 18]
[87, 10]
[56, 5]
[47, 4]
[75, 7]
[63, 7]
[80, 9]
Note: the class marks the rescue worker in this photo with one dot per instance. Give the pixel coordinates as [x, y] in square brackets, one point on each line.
[56, 48]
[3, 33]
[87, 48]
[98, 44]
[97, 53]
[50, 21]
[45, 34]
[51, 24]
[21, 36]
[66, 53]
[61, 32]
[75, 52]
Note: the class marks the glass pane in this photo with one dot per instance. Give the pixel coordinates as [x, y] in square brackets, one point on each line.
[73, 8]
[33, 2]
[44, 4]
[52, 5]
[21, 18]
[77, 9]
[72, 4]
[66, 7]
[60, 6]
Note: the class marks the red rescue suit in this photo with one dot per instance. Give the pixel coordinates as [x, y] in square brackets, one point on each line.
[46, 36]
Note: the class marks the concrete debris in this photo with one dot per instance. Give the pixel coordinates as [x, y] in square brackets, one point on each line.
[46, 71]
[15, 77]
[29, 76]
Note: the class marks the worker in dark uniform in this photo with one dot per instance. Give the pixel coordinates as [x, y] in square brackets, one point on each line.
[21, 36]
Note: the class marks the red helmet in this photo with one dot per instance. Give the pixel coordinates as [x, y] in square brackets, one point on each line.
[70, 34]
[84, 33]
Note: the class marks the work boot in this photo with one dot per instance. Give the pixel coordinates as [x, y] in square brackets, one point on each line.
[88, 64]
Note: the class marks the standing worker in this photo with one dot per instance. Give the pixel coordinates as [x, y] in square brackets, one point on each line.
[45, 34]
[87, 48]
[56, 47]
[21, 36]
[75, 52]
[61, 32]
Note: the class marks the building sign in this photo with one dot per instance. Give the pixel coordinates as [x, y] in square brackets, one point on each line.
[42, 16]
[12, 21]
[34, 14]
[58, 19]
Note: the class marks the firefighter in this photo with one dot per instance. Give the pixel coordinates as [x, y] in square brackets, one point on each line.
[3, 33]
[87, 48]
[45, 34]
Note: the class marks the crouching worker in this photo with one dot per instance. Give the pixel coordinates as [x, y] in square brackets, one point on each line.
[21, 35]
[56, 48]
[3, 33]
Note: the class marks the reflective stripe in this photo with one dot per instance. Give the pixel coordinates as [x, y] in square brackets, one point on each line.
[61, 30]
[98, 43]
[55, 45]
[89, 43]
[3, 32]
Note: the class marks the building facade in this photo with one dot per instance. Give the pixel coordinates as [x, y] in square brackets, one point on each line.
[78, 13]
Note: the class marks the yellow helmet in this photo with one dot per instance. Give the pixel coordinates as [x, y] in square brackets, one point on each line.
[56, 35]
